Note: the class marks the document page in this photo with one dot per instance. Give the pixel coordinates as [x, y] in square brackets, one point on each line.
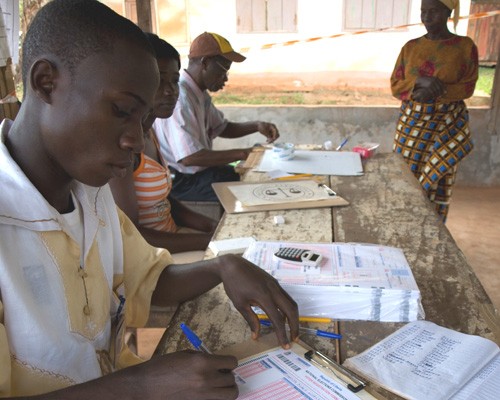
[350, 265]
[315, 162]
[352, 281]
[485, 385]
[425, 361]
[284, 375]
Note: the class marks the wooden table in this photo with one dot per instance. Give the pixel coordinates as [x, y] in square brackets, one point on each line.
[387, 207]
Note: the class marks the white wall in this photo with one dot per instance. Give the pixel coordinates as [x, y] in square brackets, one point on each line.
[376, 51]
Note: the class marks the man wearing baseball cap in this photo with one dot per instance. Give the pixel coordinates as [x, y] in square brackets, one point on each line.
[186, 137]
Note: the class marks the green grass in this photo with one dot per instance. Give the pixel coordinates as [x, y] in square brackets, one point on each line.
[485, 80]
[261, 98]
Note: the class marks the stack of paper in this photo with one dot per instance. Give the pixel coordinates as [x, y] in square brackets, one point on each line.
[357, 281]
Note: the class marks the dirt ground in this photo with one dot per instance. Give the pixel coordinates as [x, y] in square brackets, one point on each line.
[312, 96]
[306, 90]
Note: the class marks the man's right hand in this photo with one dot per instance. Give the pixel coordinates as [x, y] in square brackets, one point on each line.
[184, 375]
[189, 375]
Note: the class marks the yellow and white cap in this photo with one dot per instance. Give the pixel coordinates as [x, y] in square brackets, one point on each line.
[210, 44]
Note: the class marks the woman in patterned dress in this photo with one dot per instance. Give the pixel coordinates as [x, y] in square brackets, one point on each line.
[432, 77]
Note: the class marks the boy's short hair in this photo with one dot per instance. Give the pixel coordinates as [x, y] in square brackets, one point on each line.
[163, 49]
[75, 29]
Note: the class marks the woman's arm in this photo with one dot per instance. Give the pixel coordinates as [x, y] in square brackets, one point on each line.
[215, 158]
[184, 216]
[401, 84]
[123, 190]
[176, 242]
[464, 88]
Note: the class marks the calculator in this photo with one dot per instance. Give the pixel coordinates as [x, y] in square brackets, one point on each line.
[302, 257]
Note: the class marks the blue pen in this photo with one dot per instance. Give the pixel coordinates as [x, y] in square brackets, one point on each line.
[198, 345]
[310, 331]
[342, 144]
[194, 339]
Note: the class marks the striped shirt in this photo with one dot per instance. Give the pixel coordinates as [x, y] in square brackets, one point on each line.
[153, 183]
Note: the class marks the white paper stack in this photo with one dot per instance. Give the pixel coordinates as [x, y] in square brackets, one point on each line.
[230, 246]
[357, 281]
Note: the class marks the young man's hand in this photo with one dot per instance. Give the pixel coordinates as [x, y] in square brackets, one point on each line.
[184, 375]
[248, 285]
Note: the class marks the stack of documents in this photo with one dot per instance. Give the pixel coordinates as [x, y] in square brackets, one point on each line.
[356, 281]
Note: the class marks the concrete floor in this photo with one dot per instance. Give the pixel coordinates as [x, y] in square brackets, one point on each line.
[474, 222]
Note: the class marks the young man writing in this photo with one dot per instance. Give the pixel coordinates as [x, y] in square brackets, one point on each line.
[73, 268]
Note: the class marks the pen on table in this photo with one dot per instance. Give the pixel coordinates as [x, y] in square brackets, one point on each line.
[309, 331]
[194, 339]
[318, 320]
[328, 190]
[342, 144]
[292, 177]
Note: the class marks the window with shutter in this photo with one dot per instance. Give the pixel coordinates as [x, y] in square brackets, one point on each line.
[375, 14]
[256, 16]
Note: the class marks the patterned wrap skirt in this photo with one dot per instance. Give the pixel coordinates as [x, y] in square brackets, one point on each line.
[433, 138]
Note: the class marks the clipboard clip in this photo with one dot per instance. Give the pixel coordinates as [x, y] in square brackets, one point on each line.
[336, 368]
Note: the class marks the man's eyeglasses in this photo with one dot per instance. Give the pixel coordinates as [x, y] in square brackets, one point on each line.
[222, 67]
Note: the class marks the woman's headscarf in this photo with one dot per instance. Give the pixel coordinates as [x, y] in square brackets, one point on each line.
[453, 5]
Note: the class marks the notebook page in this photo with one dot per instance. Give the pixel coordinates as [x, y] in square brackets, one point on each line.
[424, 361]
[485, 385]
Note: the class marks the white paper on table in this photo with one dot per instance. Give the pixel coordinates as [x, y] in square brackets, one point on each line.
[425, 361]
[283, 374]
[356, 281]
[345, 163]
[485, 385]
[277, 173]
[352, 265]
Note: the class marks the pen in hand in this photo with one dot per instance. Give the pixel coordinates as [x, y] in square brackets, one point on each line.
[198, 345]
[309, 331]
[194, 339]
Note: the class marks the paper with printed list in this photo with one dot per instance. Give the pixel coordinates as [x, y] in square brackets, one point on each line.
[285, 375]
[355, 281]
[424, 361]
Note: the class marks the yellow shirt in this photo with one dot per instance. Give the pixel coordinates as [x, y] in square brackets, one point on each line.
[59, 302]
